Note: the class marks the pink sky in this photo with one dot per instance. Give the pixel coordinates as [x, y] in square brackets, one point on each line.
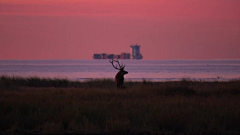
[165, 29]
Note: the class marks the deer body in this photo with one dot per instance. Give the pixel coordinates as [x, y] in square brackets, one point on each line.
[119, 78]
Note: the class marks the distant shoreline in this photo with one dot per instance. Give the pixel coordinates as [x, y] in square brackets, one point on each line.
[130, 79]
[165, 79]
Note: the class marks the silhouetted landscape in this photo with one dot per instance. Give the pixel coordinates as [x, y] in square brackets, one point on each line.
[119, 67]
[41, 105]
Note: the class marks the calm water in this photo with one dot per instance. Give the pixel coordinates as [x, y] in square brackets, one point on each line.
[154, 70]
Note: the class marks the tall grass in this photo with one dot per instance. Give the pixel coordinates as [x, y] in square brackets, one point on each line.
[97, 106]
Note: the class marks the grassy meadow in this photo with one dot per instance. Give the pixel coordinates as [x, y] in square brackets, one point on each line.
[40, 105]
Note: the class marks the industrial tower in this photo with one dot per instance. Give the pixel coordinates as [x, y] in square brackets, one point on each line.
[136, 52]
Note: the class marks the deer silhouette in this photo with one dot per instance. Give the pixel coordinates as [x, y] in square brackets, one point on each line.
[119, 78]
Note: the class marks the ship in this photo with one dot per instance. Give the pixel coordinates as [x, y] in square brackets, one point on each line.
[135, 50]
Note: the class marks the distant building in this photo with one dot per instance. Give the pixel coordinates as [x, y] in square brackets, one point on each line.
[116, 56]
[112, 56]
[104, 56]
[136, 52]
[97, 56]
[125, 56]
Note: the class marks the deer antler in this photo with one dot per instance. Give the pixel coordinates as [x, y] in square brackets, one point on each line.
[120, 66]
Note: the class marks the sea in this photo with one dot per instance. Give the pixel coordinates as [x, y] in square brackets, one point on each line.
[138, 70]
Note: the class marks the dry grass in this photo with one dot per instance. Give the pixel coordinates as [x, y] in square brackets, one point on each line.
[34, 105]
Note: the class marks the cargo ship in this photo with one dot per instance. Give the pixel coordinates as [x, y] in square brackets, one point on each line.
[135, 54]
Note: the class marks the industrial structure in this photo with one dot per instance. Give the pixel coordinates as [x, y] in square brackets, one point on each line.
[135, 54]
[112, 56]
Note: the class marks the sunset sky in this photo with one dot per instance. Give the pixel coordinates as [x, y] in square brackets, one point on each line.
[76, 29]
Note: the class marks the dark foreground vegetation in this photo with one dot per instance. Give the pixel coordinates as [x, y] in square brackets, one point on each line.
[34, 105]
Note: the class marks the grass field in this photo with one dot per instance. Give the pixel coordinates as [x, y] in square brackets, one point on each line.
[40, 105]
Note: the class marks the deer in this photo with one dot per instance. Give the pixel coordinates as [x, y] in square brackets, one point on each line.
[119, 78]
